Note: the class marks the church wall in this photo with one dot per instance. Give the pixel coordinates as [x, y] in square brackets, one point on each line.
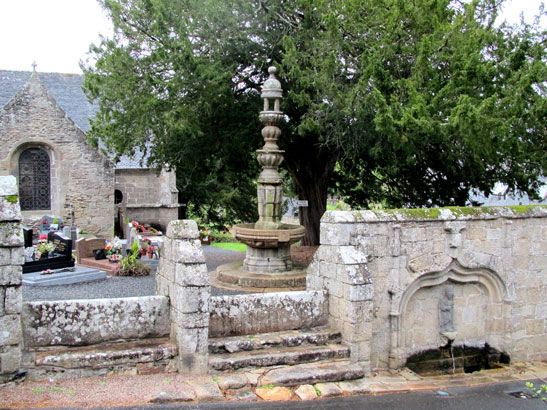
[80, 175]
[148, 198]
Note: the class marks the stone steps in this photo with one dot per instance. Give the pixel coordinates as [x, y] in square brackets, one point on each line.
[277, 356]
[332, 371]
[140, 357]
[301, 337]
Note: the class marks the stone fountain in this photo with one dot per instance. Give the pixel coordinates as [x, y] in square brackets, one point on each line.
[268, 260]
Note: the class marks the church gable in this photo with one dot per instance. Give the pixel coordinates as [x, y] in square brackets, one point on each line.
[79, 176]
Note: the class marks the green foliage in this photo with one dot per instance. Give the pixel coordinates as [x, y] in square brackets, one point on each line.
[394, 102]
[217, 237]
[131, 266]
[537, 392]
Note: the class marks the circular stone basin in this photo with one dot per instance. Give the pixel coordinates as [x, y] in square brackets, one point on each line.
[286, 235]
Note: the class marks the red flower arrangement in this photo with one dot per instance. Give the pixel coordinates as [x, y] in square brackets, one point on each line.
[137, 226]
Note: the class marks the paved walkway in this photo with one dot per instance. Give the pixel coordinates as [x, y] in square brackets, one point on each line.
[131, 390]
[118, 287]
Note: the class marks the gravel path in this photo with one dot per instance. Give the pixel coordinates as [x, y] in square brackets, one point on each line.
[117, 286]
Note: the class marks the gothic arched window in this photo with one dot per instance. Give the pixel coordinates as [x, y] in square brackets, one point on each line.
[34, 180]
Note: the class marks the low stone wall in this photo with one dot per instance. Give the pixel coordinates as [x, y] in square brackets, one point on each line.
[93, 321]
[266, 312]
[404, 281]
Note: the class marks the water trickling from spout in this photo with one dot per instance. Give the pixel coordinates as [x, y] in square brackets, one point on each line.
[453, 360]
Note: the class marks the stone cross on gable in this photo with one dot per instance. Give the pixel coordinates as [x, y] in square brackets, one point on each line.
[34, 66]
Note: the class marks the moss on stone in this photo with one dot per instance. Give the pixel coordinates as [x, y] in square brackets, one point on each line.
[522, 209]
[457, 211]
[419, 213]
[12, 198]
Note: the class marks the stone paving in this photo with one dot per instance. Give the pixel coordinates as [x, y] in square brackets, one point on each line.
[246, 386]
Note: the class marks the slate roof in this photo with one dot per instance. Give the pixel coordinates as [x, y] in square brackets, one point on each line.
[66, 89]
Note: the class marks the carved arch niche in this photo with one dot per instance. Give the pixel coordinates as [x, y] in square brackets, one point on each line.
[477, 308]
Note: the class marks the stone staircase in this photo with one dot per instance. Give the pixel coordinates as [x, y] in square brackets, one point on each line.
[139, 357]
[288, 358]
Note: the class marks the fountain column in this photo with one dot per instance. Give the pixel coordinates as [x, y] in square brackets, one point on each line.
[268, 260]
[270, 183]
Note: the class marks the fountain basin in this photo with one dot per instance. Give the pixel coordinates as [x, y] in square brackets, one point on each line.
[284, 236]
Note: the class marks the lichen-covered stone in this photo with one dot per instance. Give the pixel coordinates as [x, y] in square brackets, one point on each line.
[191, 274]
[10, 330]
[8, 185]
[268, 312]
[183, 229]
[190, 299]
[9, 209]
[10, 275]
[10, 359]
[85, 322]
[13, 300]
[11, 234]
[187, 251]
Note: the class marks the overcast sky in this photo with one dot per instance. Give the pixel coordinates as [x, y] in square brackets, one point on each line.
[57, 33]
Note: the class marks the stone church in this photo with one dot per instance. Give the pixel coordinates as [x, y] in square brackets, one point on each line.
[44, 118]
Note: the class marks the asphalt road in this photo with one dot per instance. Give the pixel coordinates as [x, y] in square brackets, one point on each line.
[491, 397]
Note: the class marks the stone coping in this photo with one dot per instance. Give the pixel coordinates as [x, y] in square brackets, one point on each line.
[441, 214]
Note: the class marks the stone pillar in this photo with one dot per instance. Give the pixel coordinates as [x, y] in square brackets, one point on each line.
[11, 259]
[340, 268]
[270, 183]
[182, 275]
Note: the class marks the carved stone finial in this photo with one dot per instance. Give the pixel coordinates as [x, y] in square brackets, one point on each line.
[272, 86]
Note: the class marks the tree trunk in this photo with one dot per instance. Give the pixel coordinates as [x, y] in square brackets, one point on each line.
[311, 167]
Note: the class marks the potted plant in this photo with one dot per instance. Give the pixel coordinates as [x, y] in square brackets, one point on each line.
[204, 237]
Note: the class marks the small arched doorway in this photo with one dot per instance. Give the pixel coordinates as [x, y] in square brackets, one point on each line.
[34, 179]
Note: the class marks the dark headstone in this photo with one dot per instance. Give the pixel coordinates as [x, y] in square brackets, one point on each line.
[27, 235]
[63, 245]
[61, 258]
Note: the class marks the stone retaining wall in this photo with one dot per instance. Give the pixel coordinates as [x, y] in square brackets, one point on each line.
[266, 312]
[93, 321]
[405, 281]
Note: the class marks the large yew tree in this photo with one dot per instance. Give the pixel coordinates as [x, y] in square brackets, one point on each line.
[413, 102]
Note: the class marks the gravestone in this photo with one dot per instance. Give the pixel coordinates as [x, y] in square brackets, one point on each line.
[50, 223]
[62, 255]
[27, 235]
[63, 244]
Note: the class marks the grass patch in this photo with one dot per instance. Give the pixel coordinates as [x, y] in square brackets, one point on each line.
[231, 246]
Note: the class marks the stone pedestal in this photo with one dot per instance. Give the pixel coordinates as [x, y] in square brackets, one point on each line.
[275, 260]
